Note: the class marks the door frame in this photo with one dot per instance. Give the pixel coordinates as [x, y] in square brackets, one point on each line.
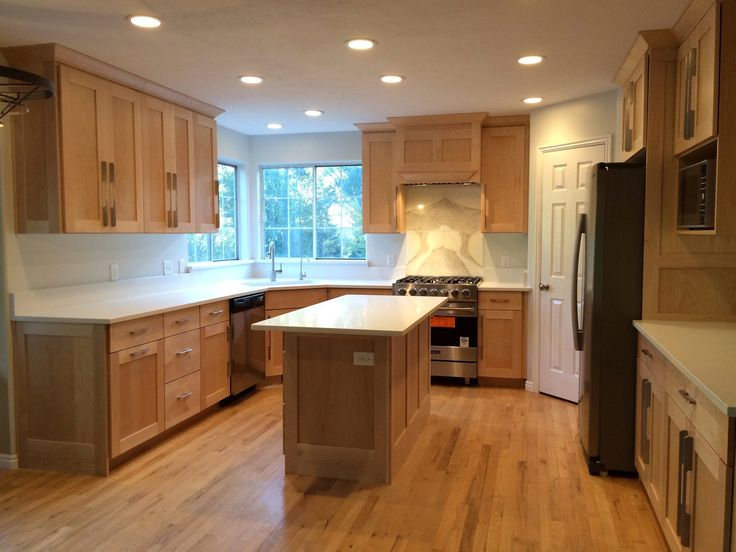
[535, 305]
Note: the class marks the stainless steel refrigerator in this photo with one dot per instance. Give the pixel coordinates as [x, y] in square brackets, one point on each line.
[611, 235]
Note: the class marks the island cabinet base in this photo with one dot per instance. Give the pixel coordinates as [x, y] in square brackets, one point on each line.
[354, 405]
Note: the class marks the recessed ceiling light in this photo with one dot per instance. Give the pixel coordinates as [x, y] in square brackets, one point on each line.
[313, 112]
[251, 79]
[274, 126]
[392, 79]
[533, 100]
[531, 60]
[145, 21]
[360, 43]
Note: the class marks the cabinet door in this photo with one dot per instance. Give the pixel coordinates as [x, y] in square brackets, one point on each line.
[84, 170]
[675, 425]
[123, 152]
[381, 198]
[182, 171]
[157, 163]
[205, 174]
[697, 87]
[650, 437]
[136, 396]
[275, 347]
[501, 344]
[633, 133]
[504, 179]
[215, 347]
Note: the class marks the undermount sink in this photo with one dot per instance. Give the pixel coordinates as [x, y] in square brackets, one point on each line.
[278, 282]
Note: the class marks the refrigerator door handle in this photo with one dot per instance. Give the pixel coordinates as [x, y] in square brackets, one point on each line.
[577, 330]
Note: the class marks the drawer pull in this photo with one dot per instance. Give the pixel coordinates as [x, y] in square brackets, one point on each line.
[500, 300]
[184, 352]
[184, 320]
[184, 395]
[216, 312]
[687, 397]
[140, 353]
[646, 353]
[139, 331]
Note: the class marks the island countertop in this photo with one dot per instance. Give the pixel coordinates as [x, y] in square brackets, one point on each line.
[376, 315]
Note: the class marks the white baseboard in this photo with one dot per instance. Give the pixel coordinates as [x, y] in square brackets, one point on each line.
[529, 386]
[8, 461]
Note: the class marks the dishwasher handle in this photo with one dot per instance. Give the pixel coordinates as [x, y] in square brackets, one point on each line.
[247, 302]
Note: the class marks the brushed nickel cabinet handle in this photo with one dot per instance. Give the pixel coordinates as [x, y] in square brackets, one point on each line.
[216, 312]
[103, 182]
[113, 211]
[500, 300]
[184, 351]
[139, 331]
[184, 395]
[183, 320]
[169, 215]
[687, 396]
[216, 200]
[140, 353]
[175, 199]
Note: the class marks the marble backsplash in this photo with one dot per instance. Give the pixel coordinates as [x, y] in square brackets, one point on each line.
[443, 234]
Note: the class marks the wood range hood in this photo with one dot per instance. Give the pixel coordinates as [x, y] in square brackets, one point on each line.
[435, 149]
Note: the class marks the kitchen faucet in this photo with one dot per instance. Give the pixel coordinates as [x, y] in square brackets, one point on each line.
[302, 274]
[272, 256]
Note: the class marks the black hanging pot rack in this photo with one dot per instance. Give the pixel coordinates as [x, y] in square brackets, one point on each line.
[17, 87]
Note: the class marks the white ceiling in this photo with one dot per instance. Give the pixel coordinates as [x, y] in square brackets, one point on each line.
[457, 55]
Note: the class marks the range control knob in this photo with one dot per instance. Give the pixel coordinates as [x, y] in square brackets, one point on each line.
[412, 291]
[443, 292]
[401, 291]
[466, 293]
[433, 291]
[422, 291]
[454, 293]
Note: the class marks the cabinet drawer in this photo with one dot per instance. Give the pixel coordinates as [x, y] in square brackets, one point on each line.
[180, 321]
[702, 413]
[212, 313]
[499, 300]
[136, 332]
[182, 399]
[651, 358]
[294, 298]
[181, 355]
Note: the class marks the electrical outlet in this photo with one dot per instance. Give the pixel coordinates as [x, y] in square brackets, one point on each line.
[363, 359]
[168, 268]
[505, 261]
[390, 260]
[182, 266]
[114, 271]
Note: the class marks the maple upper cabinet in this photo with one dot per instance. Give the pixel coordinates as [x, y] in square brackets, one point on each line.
[697, 82]
[206, 186]
[111, 152]
[382, 197]
[633, 109]
[504, 178]
[101, 157]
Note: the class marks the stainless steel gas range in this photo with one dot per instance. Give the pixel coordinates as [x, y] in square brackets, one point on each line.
[454, 327]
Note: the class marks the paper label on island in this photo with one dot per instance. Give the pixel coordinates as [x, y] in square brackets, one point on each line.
[464, 342]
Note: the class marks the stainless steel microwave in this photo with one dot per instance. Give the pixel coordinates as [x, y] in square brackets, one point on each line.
[697, 196]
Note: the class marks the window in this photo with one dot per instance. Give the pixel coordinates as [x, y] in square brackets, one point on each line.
[314, 211]
[223, 245]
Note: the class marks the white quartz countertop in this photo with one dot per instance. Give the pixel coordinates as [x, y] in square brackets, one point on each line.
[111, 302]
[498, 286]
[383, 315]
[704, 351]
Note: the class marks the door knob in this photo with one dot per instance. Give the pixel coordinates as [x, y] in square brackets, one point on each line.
[543, 287]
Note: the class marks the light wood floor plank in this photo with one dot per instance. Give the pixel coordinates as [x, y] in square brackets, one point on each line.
[494, 469]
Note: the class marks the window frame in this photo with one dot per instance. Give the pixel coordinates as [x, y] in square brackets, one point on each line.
[262, 214]
[236, 216]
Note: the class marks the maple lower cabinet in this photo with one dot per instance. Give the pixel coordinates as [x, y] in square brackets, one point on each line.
[275, 346]
[111, 152]
[697, 82]
[383, 208]
[101, 158]
[215, 346]
[501, 356]
[504, 178]
[136, 396]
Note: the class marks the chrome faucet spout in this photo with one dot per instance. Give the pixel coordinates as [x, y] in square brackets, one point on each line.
[272, 256]
[302, 274]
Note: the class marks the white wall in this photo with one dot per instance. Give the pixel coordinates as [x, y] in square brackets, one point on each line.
[573, 121]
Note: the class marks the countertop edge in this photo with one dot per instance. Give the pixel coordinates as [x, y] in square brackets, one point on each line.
[722, 406]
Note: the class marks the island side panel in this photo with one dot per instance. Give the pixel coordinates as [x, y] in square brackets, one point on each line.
[61, 397]
[335, 412]
[410, 379]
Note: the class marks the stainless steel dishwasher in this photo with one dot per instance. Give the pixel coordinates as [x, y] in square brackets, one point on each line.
[248, 347]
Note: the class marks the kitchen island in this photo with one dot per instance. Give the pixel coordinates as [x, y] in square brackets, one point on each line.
[356, 384]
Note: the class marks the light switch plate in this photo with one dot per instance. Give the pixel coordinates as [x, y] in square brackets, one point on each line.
[168, 268]
[505, 261]
[114, 275]
[182, 266]
[390, 260]
[363, 359]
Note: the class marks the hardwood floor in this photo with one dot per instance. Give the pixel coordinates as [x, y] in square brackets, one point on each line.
[494, 469]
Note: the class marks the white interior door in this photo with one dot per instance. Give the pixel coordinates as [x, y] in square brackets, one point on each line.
[566, 173]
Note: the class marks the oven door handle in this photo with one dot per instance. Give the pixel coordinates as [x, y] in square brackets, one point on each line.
[462, 312]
